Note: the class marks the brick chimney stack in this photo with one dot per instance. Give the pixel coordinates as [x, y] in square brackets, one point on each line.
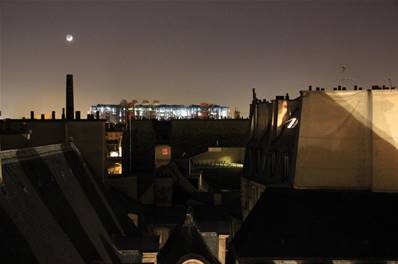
[70, 111]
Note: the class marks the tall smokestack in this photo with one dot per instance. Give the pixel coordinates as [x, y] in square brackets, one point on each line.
[70, 110]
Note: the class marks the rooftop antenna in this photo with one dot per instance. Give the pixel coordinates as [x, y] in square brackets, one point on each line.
[344, 80]
[390, 82]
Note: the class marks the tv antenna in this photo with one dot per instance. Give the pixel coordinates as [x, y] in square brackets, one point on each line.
[390, 82]
[344, 80]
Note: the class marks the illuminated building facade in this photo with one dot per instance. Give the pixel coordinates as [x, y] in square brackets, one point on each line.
[113, 113]
[320, 179]
[118, 113]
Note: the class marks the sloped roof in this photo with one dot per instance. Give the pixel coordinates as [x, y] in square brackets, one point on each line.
[186, 242]
[52, 210]
[178, 177]
[303, 224]
[122, 205]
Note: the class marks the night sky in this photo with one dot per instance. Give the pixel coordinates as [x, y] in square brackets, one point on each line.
[184, 53]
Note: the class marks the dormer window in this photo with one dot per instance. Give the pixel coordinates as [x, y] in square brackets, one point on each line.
[292, 122]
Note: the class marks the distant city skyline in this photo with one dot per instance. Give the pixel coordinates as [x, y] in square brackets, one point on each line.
[189, 52]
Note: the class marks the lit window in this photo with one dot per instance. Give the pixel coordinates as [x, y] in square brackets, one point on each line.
[114, 154]
[165, 151]
[292, 122]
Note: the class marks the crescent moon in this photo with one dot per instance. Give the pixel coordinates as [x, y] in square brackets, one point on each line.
[69, 38]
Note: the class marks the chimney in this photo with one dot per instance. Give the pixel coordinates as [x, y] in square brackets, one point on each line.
[53, 115]
[69, 97]
[32, 115]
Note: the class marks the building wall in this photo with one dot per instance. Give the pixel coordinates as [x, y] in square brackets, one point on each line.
[187, 137]
[195, 136]
[88, 136]
[348, 140]
[42, 133]
[127, 185]
[333, 145]
[143, 140]
[222, 248]
[251, 193]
